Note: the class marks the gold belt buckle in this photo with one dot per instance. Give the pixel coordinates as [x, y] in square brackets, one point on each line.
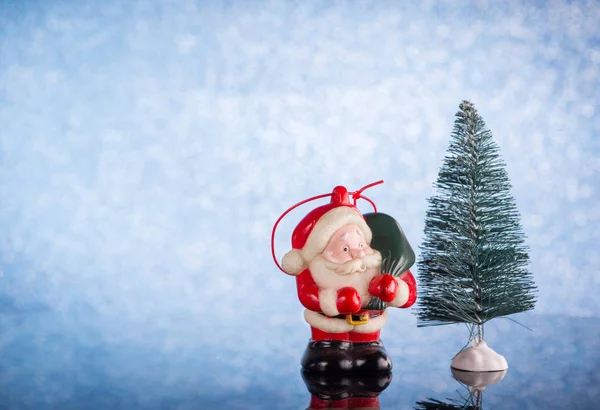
[364, 318]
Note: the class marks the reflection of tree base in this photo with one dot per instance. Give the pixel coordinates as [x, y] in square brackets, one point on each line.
[478, 381]
[474, 382]
[433, 404]
[332, 387]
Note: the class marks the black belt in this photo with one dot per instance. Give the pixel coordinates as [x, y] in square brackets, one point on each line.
[357, 319]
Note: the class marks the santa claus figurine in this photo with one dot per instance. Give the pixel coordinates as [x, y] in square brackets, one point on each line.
[340, 282]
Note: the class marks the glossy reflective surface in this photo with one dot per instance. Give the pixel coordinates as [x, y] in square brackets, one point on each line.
[556, 366]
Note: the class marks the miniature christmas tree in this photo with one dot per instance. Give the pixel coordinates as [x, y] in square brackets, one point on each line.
[474, 262]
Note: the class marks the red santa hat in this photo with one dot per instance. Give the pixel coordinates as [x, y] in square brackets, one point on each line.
[315, 230]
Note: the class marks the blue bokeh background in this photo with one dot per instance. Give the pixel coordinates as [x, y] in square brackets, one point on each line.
[148, 147]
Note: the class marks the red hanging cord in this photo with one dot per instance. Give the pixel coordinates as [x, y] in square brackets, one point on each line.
[358, 194]
[367, 186]
[369, 201]
[279, 220]
[355, 195]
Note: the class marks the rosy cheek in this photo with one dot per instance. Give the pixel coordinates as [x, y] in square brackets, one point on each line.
[330, 256]
[336, 257]
[343, 257]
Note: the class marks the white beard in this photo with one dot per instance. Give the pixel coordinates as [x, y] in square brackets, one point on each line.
[356, 274]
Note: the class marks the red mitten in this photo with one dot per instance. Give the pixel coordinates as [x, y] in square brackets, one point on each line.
[384, 286]
[412, 288]
[348, 301]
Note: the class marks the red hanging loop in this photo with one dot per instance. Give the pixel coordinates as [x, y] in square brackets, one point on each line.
[279, 220]
[355, 195]
[358, 194]
[369, 201]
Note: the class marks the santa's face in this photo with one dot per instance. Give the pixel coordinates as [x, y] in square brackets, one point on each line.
[347, 243]
[346, 261]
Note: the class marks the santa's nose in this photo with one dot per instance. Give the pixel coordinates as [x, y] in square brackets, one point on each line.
[357, 253]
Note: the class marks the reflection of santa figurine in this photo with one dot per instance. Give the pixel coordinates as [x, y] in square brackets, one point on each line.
[338, 274]
[330, 391]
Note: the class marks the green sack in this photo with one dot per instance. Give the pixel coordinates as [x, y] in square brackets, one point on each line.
[389, 239]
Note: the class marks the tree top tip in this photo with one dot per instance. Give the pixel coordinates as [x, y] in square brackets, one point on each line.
[466, 105]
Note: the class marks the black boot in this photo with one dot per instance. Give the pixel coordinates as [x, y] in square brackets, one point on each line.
[370, 358]
[327, 356]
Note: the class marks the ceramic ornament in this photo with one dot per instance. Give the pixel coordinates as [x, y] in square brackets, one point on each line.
[349, 268]
[474, 261]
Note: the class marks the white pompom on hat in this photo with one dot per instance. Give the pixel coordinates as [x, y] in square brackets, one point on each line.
[314, 231]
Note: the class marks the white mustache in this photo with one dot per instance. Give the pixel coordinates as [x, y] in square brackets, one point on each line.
[354, 265]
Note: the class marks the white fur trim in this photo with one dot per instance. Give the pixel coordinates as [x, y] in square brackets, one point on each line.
[326, 226]
[293, 263]
[402, 294]
[373, 325]
[328, 301]
[332, 325]
[326, 324]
